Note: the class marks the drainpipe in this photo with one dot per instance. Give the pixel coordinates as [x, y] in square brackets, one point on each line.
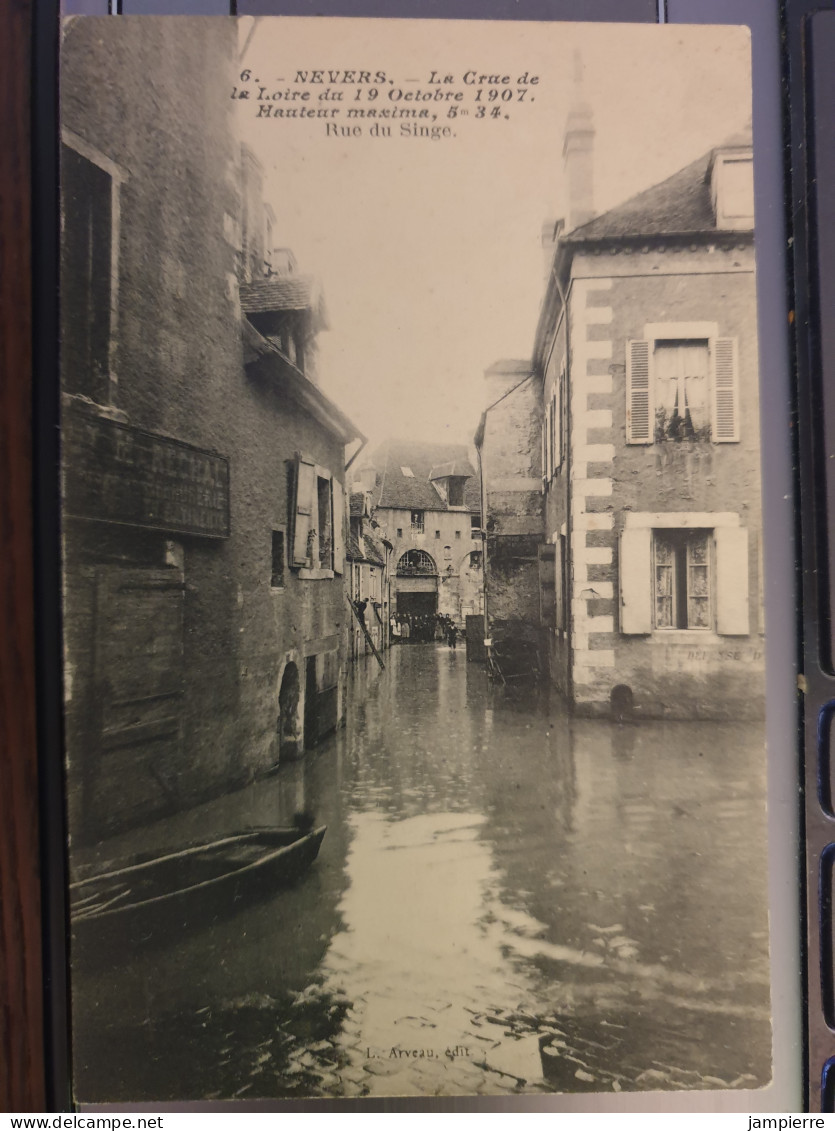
[567, 565]
[483, 502]
[364, 440]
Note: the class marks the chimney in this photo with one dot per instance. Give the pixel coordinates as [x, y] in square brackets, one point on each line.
[578, 154]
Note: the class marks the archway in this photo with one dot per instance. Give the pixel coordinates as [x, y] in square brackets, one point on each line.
[417, 563]
[417, 585]
[288, 714]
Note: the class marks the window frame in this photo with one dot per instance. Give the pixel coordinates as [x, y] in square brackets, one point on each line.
[681, 565]
[723, 379]
[281, 532]
[731, 585]
[310, 567]
[118, 176]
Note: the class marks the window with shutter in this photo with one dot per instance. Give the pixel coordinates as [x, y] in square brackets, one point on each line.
[725, 392]
[639, 407]
[304, 506]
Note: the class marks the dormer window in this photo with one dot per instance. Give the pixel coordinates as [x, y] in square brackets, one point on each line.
[732, 190]
[455, 491]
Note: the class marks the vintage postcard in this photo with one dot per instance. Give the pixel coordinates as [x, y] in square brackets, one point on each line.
[414, 648]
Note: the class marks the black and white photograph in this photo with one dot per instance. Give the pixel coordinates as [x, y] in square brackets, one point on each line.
[414, 647]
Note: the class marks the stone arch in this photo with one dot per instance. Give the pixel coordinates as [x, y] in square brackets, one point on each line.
[417, 563]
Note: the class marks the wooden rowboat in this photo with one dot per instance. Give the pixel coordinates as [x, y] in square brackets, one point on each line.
[195, 884]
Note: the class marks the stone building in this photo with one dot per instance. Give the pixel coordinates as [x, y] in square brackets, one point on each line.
[507, 442]
[647, 352]
[641, 415]
[368, 566]
[426, 499]
[204, 523]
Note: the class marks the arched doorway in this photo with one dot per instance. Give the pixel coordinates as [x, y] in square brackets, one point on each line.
[417, 584]
[288, 714]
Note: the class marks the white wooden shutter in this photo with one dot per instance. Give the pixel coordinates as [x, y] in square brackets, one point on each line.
[544, 453]
[732, 617]
[635, 569]
[338, 502]
[304, 507]
[559, 569]
[640, 425]
[555, 424]
[549, 436]
[725, 407]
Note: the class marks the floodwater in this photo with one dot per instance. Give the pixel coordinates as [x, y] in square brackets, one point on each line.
[507, 900]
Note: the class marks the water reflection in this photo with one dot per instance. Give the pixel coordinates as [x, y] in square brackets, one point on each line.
[507, 899]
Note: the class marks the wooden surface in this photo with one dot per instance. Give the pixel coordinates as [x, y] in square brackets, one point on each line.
[21, 982]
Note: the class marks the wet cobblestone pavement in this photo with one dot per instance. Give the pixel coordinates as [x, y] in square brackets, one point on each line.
[507, 901]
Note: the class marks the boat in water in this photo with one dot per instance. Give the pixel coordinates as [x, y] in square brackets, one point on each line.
[149, 894]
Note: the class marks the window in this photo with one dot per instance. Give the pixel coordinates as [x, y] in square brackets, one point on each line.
[325, 540]
[684, 571]
[400, 532]
[682, 578]
[416, 563]
[437, 534]
[552, 425]
[682, 409]
[455, 491]
[681, 387]
[447, 553]
[87, 246]
[475, 525]
[457, 533]
[476, 560]
[318, 512]
[732, 191]
[546, 556]
[417, 522]
[277, 574]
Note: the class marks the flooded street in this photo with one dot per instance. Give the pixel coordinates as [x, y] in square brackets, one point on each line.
[507, 900]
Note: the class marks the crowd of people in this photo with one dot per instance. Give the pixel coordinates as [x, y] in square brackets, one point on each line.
[423, 628]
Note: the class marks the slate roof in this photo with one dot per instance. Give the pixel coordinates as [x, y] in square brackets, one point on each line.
[357, 504]
[286, 292]
[399, 491]
[364, 550]
[371, 551]
[679, 205]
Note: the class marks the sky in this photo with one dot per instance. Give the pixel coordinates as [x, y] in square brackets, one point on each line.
[428, 252]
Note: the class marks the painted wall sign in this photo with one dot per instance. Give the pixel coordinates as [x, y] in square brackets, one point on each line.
[116, 473]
